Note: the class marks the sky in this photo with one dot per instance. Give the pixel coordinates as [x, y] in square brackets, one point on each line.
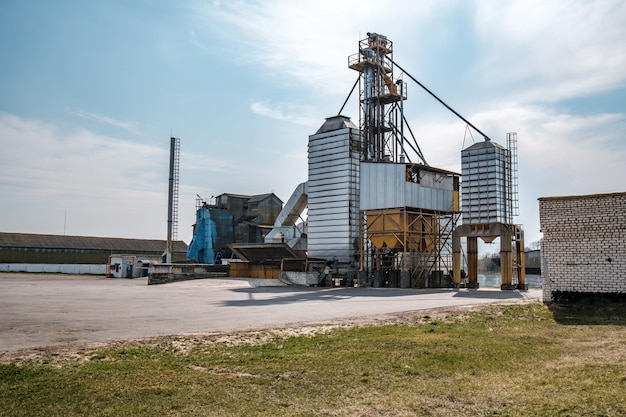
[90, 93]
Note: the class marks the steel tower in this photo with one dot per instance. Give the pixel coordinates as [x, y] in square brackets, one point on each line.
[381, 100]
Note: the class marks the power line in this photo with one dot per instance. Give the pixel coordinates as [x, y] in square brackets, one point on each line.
[439, 100]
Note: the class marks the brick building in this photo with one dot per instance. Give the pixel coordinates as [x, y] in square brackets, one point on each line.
[584, 246]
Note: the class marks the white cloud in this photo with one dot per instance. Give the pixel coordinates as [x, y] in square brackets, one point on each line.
[302, 43]
[286, 112]
[202, 163]
[107, 187]
[550, 50]
[100, 180]
[530, 50]
[120, 124]
[76, 162]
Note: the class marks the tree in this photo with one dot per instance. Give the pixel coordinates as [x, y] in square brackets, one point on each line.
[534, 245]
[486, 263]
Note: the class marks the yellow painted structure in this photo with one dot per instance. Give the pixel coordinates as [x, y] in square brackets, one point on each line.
[407, 240]
[413, 231]
[248, 270]
[511, 253]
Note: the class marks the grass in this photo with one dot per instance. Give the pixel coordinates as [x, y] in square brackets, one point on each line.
[511, 360]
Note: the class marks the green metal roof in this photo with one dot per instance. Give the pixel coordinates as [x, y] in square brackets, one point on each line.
[113, 244]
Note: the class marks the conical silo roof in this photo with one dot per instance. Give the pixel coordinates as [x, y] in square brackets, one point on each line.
[487, 143]
[336, 123]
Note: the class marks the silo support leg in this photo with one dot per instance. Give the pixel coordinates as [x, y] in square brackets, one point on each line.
[405, 279]
[472, 262]
[506, 260]
[521, 260]
[456, 260]
[378, 279]
[363, 280]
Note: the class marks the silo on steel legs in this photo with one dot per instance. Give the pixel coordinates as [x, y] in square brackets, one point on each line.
[489, 197]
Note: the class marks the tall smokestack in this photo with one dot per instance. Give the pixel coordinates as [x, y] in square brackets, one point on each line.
[172, 199]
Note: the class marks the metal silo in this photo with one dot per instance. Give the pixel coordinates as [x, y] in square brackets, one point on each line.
[489, 205]
[485, 171]
[333, 191]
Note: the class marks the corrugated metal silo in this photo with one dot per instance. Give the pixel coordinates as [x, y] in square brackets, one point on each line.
[333, 191]
[489, 196]
[485, 170]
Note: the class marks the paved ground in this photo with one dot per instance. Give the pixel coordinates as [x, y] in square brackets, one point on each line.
[44, 310]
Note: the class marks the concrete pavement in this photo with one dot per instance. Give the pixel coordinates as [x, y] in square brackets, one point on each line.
[46, 310]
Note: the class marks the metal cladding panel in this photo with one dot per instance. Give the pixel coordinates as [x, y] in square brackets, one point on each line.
[381, 186]
[333, 224]
[336, 146]
[329, 169]
[332, 203]
[429, 198]
[328, 242]
[321, 212]
[322, 183]
[334, 236]
[318, 160]
[329, 213]
[333, 195]
[384, 185]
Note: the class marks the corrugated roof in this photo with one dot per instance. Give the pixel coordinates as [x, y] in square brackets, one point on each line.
[27, 240]
[261, 197]
[257, 252]
[232, 195]
[250, 198]
[426, 168]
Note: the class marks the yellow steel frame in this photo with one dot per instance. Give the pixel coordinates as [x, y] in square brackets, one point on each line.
[405, 230]
[511, 252]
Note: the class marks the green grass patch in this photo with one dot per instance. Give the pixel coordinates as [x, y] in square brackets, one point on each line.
[511, 360]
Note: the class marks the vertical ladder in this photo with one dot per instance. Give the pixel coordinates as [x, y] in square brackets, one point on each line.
[512, 186]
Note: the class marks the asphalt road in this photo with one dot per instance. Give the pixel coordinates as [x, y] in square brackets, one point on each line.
[44, 310]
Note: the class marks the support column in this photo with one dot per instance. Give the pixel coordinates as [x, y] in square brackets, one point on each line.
[506, 259]
[472, 262]
[362, 279]
[378, 279]
[405, 279]
[521, 259]
[456, 259]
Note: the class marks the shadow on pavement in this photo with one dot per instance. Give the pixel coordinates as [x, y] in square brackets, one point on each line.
[287, 295]
[490, 294]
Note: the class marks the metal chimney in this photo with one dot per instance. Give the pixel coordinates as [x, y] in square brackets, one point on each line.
[172, 199]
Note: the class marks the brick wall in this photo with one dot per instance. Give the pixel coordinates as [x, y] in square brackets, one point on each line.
[584, 244]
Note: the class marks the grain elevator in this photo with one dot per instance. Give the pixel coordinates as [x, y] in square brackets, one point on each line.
[380, 216]
[377, 213]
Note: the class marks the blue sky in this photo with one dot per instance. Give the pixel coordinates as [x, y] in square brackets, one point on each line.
[90, 92]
